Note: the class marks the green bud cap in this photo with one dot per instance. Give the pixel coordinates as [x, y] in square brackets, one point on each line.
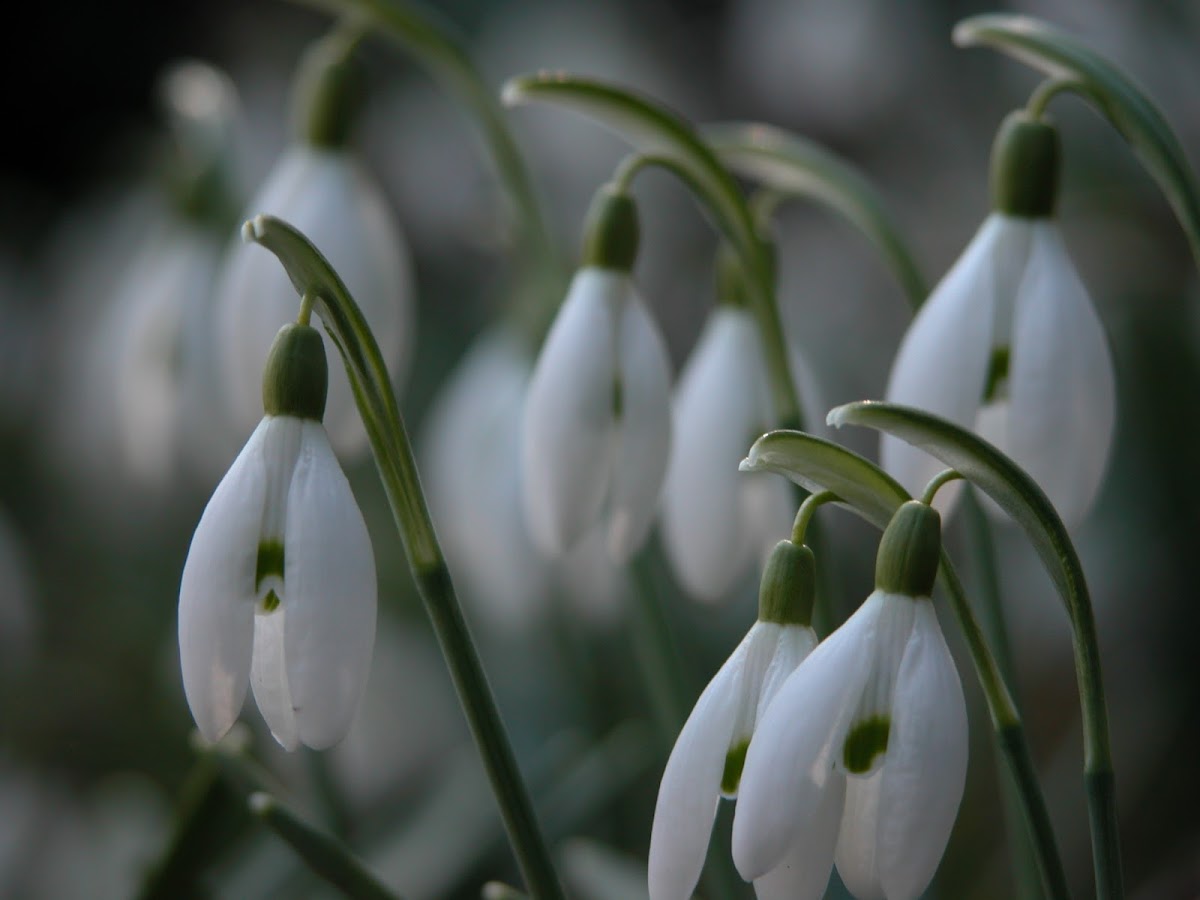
[789, 585]
[1025, 162]
[610, 233]
[329, 92]
[296, 378]
[910, 551]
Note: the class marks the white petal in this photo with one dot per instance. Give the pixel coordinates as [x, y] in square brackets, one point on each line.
[691, 783]
[1062, 398]
[793, 646]
[268, 677]
[715, 421]
[790, 760]
[330, 595]
[216, 593]
[926, 764]
[803, 873]
[569, 428]
[328, 197]
[857, 843]
[471, 455]
[943, 360]
[643, 432]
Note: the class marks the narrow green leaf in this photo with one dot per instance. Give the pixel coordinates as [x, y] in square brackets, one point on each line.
[795, 166]
[1113, 93]
[322, 853]
[1019, 495]
[819, 465]
[997, 475]
[653, 129]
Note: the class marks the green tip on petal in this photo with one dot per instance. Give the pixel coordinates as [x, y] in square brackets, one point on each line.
[611, 232]
[910, 551]
[296, 378]
[735, 761]
[1025, 163]
[788, 586]
[865, 741]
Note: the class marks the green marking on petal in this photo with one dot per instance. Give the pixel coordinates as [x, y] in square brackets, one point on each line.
[735, 759]
[865, 741]
[270, 562]
[270, 602]
[997, 374]
[618, 398]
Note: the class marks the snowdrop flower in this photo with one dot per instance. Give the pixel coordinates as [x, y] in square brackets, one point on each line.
[1009, 344]
[475, 497]
[597, 424]
[715, 519]
[319, 187]
[706, 762]
[278, 590]
[865, 741]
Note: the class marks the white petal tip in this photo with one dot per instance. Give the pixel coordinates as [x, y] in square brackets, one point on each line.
[260, 803]
[836, 417]
[747, 464]
[511, 94]
[253, 229]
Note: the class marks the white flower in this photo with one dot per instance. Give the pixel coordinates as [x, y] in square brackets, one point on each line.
[866, 740]
[597, 424]
[1012, 295]
[705, 763]
[472, 451]
[715, 519]
[279, 591]
[325, 194]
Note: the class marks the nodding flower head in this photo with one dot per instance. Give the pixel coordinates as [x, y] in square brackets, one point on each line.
[278, 590]
[862, 756]
[1009, 344]
[597, 422]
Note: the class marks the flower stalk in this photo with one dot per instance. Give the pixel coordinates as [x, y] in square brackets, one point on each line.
[311, 274]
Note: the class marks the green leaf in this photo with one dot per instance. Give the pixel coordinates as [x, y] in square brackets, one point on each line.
[997, 475]
[819, 465]
[1114, 94]
[795, 166]
[322, 853]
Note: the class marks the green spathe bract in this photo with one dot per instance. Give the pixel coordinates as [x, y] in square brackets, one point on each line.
[296, 378]
[788, 587]
[1025, 165]
[610, 236]
[909, 552]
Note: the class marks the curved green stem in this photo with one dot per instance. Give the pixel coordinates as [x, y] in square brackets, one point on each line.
[982, 550]
[659, 132]
[1047, 91]
[805, 513]
[369, 379]
[1010, 737]
[936, 483]
[792, 166]
[1021, 497]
